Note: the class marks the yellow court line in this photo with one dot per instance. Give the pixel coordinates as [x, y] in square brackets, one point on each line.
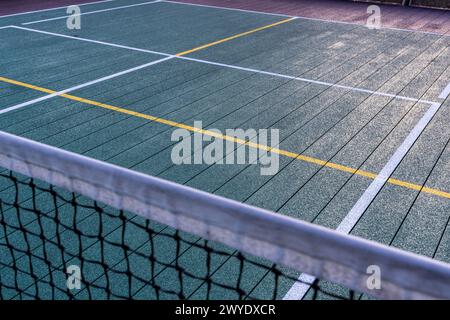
[281, 152]
[233, 37]
[26, 85]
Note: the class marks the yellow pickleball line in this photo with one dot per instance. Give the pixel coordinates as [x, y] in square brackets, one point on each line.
[281, 152]
[233, 37]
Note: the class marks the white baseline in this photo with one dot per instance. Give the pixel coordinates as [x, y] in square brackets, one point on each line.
[92, 12]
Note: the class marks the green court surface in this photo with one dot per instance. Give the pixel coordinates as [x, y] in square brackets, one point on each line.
[344, 98]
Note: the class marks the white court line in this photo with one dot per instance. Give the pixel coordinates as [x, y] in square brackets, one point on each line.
[446, 92]
[323, 83]
[6, 27]
[92, 41]
[92, 12]
[230, 9]
[299, 290]
[372, 191]
[80, 86]
[51, 9]
[304, 18]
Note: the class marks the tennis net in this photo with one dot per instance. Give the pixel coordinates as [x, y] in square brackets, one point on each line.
[72, 227]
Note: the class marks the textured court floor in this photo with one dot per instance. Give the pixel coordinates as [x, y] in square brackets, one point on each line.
[355, 107]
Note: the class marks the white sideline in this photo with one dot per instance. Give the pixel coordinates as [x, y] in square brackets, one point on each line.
[83, 85]
[91, 12]
[299, 290]
[375, 187]
[51, 9]
[323, 83]
[446, 92]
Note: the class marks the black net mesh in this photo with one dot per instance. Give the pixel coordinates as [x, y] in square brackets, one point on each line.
[47, 235]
